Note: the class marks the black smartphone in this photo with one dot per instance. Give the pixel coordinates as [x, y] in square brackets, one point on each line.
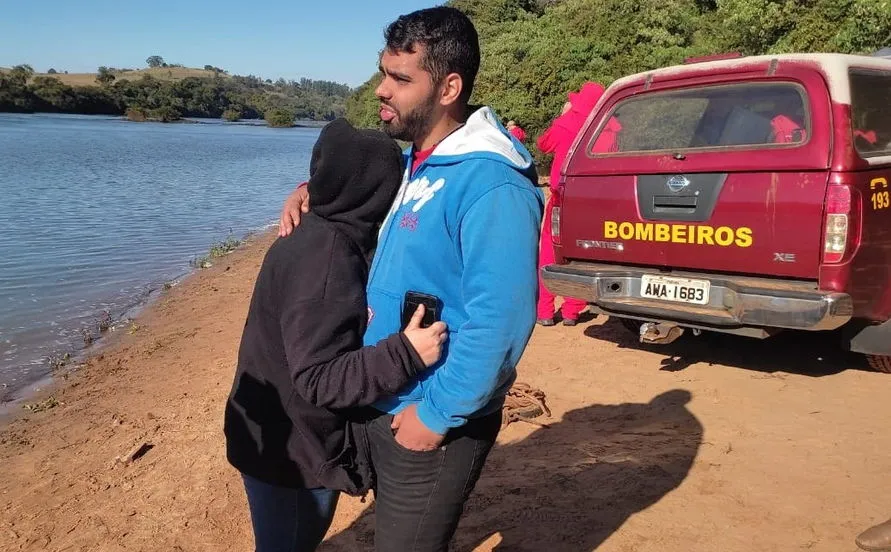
[432, 308]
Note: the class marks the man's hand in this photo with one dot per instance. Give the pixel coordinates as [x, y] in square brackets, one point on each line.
[412, 434]
[295, 204]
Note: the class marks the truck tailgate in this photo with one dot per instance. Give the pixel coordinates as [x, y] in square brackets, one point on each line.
[751, 223]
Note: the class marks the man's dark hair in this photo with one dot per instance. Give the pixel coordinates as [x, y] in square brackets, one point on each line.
[451, 43]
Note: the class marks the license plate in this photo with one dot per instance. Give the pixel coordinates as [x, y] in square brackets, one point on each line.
[681, 290]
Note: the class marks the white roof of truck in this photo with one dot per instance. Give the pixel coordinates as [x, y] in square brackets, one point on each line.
[835, 67]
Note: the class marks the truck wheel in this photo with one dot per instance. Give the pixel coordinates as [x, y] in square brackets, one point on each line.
[879, 363]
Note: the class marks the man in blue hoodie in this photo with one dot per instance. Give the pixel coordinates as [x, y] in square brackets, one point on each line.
[464, 227]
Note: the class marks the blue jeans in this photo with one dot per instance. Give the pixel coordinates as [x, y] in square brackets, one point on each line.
[288, 520]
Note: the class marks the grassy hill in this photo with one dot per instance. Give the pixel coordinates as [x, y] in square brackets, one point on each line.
[160, 73]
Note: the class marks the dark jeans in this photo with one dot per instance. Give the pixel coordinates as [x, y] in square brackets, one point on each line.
[419, 496]
[288, 520]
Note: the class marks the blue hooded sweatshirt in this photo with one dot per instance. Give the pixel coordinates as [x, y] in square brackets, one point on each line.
[464, 227]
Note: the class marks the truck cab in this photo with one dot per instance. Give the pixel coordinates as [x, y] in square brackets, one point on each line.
[747, 195]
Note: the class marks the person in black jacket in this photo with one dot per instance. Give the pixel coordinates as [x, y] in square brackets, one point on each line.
[301, 363]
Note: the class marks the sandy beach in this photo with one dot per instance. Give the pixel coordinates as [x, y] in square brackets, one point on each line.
[711, 444]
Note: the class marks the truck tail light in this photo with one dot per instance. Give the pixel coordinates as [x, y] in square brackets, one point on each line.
[556, 210]
[837, 224]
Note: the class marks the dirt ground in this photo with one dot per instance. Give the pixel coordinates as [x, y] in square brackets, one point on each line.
[711, 444]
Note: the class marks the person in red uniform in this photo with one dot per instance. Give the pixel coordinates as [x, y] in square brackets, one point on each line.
[516, 131]
[557, 139]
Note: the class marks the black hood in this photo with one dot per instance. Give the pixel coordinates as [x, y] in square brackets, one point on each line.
[354, 176]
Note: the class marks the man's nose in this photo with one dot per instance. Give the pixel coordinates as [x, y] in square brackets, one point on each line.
[383, 91]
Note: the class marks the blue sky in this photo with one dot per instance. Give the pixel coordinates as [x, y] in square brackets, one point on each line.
[321, 39]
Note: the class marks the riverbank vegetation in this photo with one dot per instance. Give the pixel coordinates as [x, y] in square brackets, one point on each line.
[213, 94]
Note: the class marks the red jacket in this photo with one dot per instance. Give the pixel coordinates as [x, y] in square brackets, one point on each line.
[558, 138]
[518, 133]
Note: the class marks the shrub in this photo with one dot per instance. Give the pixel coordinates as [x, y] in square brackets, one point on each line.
[280, 118]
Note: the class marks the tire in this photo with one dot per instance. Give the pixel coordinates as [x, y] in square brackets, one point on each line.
[879, 363]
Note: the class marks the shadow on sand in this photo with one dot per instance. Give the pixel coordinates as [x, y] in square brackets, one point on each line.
[570, 486]
[806, 353]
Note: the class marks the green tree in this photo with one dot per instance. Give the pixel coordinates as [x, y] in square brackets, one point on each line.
[21, 74]
[137, 115]
[15, 96]
[754, 26]
[280, 118]
[52, 95]
[853, 26]
[363, 107]
[104, 76]
[492, 12]
[166, 114]
[51, 71]
[232, 115]
[154, 61]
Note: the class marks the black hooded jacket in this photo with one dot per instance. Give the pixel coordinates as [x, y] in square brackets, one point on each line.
[301, 359]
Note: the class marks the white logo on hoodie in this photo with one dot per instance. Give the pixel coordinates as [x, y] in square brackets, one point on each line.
[421, 191]
[480, 134]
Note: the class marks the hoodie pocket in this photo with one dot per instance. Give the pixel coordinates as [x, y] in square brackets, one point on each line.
[350, 470]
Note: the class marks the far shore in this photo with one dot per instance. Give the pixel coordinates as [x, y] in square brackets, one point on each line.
[298, 123]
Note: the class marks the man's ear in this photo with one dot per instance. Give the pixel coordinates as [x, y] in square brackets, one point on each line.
[450, 91]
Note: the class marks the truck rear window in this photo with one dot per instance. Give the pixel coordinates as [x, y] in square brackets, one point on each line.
[870, 112]
[750, 115]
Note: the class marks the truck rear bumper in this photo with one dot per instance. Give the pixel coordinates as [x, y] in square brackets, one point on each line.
[734, 301]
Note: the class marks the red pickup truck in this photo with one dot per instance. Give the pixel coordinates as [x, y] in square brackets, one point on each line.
[747, 195]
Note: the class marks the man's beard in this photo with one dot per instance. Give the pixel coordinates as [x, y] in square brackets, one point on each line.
[414, 124]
